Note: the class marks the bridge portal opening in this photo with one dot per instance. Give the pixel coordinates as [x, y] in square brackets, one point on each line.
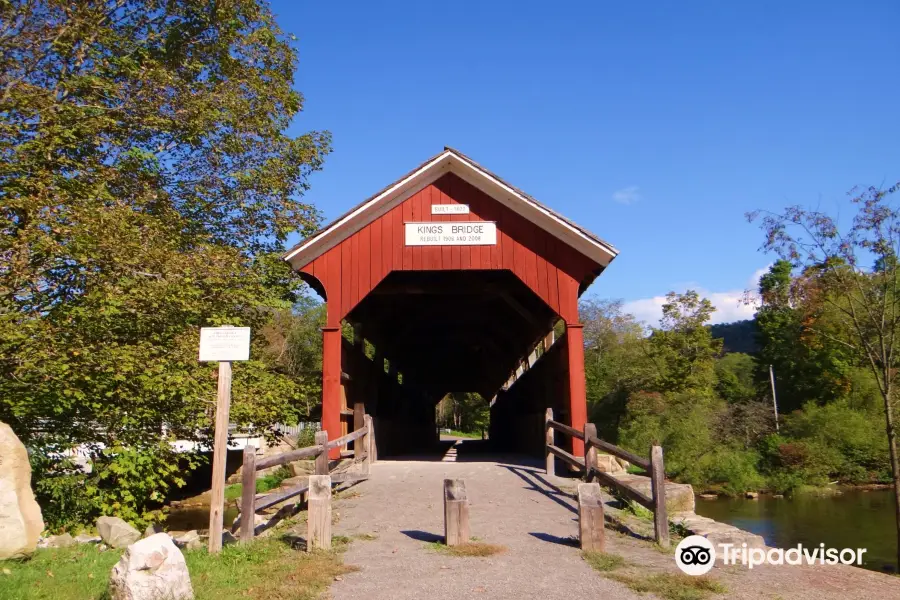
[452, 280]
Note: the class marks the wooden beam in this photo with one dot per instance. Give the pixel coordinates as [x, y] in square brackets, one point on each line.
[548, 443]
[318, 524]
[658, 489]
[248, 494]
[456, 512]
[590, 518]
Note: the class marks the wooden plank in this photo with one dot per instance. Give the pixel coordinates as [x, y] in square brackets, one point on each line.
[248, 493]
[220, 450]
[364, 260]
[548, 443]
[590, 518]
[407, 250]
[566, 457]
[456, 512]
[355, 267]
[334, 286]
[397, 239]
[346, 439]
[365, 445]
[346, 277]
[266, 500]
[658, 489]
[322, 458]
[634, 459]
[376, 244]
[624, 489]
[387, 241]
[318, 525]
[287, 457]
[566, 429]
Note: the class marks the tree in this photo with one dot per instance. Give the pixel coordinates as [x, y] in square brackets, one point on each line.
[808, 366]
[147, 186]
[855, 307]
[682, 347]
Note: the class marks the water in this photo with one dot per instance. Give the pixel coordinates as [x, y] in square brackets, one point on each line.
[853, 519]
[197, 517]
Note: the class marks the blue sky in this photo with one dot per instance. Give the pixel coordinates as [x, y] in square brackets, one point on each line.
[656, 125]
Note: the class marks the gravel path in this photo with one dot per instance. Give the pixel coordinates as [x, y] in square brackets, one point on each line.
[512, 503]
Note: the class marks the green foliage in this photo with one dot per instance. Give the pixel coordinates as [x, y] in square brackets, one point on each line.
[463, 411]
[738, 337]
[603, 561]
[734, 378]
[146, 189]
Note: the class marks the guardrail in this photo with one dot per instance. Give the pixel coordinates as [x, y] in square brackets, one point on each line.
[251, 502]
[653, 466]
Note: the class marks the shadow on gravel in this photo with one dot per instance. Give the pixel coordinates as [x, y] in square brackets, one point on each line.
[538, 483]
[422, 536]
[555, 539]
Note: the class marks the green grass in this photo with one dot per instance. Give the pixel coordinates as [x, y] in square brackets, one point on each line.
[267, 569]
[671, 586]
[469, 549]
[603, 561]
[465, 434]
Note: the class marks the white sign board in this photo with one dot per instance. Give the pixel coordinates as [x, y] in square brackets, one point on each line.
[449, 209]
[224, 343]
[448, 233]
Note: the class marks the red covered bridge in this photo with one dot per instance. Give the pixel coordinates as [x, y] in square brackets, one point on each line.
[458, 280]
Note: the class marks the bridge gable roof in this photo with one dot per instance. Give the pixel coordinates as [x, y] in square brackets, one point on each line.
[450, 161]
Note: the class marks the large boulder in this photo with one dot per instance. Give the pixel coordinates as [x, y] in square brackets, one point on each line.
[21, 522]
[116, 532]
[151, 569]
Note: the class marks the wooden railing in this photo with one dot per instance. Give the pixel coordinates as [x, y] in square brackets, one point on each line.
[251, 502]
[654, 467]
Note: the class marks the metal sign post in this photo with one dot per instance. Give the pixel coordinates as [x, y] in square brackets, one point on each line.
[222, 344]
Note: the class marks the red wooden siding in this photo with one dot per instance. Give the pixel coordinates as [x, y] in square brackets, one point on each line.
[549, 267]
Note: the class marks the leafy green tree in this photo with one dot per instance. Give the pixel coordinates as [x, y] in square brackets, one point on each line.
[849, 304]
[615, 361]
[735, 378]
[809, 367]
[146, 187]
[682, 347]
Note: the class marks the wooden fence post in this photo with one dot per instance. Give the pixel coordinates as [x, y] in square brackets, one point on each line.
[658, 489]
[318, 523]
[373, 444]
[590, 518]
[548, 441]
[248, 495]
[590, 452]
[365, 444]
[220, 454]
[456, 512]
[322, 457]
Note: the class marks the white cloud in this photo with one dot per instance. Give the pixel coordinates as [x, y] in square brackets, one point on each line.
[731, 305]
[627, 195]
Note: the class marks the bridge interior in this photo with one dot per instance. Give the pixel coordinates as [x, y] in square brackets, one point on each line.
[449, 331]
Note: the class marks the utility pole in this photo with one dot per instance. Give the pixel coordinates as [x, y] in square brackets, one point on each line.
[774, 399]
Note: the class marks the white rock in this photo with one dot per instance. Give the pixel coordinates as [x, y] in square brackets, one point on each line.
[116, 532]
[21, 522]
[151, 569]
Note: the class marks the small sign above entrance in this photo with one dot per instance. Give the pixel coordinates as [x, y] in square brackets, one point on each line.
[472, 233]
[449, 209]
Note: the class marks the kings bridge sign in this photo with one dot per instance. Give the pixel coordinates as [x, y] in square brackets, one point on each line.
[451, 233]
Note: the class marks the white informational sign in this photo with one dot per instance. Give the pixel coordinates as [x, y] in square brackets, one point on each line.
[449, 209]
[448, 233]
[224, 343]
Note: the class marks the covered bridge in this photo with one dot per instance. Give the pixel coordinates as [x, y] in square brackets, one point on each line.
[461, 283]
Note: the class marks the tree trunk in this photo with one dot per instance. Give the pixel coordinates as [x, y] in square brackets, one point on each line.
[895, 460]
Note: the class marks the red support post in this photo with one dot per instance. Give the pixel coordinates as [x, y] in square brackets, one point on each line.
[577, 390]
[331, 385]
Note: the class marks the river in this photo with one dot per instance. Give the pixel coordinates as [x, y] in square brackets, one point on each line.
[853, 519]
